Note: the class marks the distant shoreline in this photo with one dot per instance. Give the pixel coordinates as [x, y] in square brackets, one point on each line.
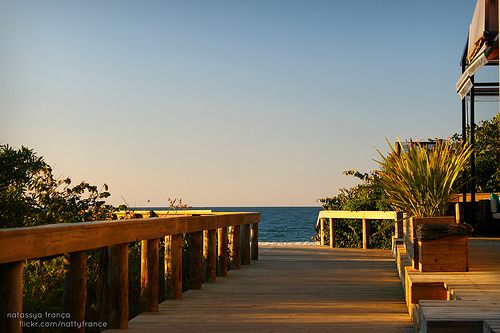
[221, 207]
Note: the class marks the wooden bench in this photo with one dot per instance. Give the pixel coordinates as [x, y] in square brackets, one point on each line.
[491, 326]
[453, 301]
[456, 316]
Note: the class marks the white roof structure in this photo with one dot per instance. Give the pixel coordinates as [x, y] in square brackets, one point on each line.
[482, 44]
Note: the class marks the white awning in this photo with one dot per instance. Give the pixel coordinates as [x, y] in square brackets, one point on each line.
[484, 26]
[464, 85]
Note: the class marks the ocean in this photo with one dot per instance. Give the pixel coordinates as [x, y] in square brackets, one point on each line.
[281, 224]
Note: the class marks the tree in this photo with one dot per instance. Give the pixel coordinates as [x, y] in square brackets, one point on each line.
[18, 171]
[487, 155]
[30, 195]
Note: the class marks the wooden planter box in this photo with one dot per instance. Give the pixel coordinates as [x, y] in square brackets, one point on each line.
[448, 254]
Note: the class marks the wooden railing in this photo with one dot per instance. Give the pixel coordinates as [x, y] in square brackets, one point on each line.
[331, 215]
[73, 239]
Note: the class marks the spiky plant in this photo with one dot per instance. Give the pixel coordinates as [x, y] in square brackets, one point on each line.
[421, 181]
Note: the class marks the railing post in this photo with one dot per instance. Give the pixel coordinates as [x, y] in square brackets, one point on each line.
[399, 225]
[173, 266]
[365, 234]
[102, 285]
[75, 289]
[222, 251]
[459, 210]
[245, 244]
[255, 241]
[322, 231]
[235, 246]
[195, 240]
[332, 233]
[11, 296]
[118, 286]
[150, 275]
[209, 255]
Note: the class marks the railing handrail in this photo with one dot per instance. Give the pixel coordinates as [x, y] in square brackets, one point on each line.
[42, 241]
[478, 196]
[358, 214]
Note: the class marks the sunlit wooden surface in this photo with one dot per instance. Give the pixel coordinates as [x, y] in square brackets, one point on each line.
[292, 289]
[474, 295]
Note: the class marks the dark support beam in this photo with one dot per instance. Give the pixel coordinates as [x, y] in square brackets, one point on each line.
[486, 84]
[464, 139]
[472, 158]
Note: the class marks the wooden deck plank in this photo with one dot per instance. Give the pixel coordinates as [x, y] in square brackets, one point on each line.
[292, 289]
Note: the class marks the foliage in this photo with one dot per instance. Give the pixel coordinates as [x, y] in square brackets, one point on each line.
[18, 169]
[176, 206]
[43, 285]
[30, 195]
[361, 197]
[420, 181]
[134, 278]
[367, 196]
[487, 154]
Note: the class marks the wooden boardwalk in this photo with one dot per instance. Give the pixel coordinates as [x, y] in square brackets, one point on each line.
[292, 289]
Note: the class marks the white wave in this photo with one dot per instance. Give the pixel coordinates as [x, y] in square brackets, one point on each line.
[288, 243]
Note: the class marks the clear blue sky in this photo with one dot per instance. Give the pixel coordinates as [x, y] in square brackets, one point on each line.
[227, 103]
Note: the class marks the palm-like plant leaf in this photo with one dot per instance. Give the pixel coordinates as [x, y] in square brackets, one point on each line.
[420, 181]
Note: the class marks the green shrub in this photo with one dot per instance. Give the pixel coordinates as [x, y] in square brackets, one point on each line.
[362, 197]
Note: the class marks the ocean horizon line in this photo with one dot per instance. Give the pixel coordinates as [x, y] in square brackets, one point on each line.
[218, 207]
